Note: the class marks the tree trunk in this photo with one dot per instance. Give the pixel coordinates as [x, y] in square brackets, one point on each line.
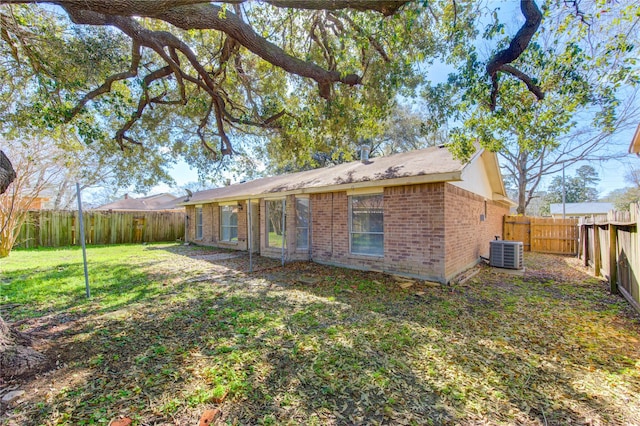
[16, 358]
[7, 174]
[522, 195]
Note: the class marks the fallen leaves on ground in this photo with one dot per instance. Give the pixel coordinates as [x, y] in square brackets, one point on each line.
[310, 344]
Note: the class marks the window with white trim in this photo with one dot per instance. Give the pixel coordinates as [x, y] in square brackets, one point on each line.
[199, 223]
[302, 223]
[274, 217]
[229, 223]
[366, 222]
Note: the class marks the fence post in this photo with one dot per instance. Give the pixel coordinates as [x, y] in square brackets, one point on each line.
[613, 263]
[597, 255]
[585, 243]
[580, 238]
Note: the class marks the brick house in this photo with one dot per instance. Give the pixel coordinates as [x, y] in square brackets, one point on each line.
[421, 214]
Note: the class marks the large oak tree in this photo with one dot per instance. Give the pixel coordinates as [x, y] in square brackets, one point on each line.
[189, 78]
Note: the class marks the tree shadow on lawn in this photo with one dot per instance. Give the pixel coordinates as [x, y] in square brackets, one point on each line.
[277, 358]
[542, 351]
[320, 345]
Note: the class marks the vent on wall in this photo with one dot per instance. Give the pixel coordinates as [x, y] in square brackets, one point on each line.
[506, 254]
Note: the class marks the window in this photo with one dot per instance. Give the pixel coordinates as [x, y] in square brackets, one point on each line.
[199, 223]
[275, 231]
[302, 223]
[229, 223]
[367, 224]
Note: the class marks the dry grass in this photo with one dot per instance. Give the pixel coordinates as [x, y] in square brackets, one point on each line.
[309, 344]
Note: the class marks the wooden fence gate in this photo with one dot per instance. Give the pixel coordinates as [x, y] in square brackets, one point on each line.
[543, 235]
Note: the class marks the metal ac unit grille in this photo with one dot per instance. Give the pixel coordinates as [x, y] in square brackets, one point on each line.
[506, 254]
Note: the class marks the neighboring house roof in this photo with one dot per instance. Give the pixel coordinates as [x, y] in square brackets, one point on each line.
[435, 164]
[153, 202]
[634, 146]
[581, 209]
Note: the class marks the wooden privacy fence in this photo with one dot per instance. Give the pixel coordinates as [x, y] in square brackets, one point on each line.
[610, 246]
[46, 228]
[541, 234]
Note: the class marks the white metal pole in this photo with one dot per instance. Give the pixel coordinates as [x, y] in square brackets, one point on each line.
[563, 194]
[84, 248]
[283, 229]
[250, 235]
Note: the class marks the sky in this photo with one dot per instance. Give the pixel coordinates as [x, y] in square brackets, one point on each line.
[611, 172]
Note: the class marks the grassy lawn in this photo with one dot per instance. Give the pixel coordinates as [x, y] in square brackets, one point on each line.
[275, 240]
[172, 331]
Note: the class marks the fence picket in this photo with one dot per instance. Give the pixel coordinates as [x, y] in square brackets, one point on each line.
[614, 251]
[45, 228]
[544, 235]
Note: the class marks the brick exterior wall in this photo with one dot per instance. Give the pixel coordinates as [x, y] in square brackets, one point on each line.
[330, 232]
[191, 222]
[322, 226]
[415, 230]
[210, 223]
[432, 231]
[467, 236]
[211, 227]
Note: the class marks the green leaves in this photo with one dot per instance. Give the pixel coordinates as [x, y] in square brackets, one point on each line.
[585, 77]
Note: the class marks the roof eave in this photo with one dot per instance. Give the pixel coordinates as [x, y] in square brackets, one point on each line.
[505, 200]
[408, 180]
[634, 146]
[496, 180]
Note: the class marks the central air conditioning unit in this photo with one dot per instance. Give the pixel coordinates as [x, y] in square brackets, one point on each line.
[506, 254]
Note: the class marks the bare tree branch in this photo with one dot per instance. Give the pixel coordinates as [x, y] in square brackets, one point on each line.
[200, 132]
[196, 16]
[142, 103]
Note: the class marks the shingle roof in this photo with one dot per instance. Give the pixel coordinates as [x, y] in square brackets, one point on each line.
[581, 208]
[435, 164]
[153, 202]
